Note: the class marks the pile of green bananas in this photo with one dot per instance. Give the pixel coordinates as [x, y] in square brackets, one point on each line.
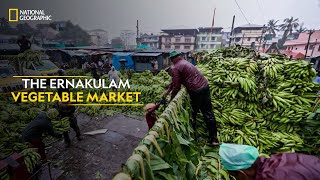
[263, 103]
[31, 158]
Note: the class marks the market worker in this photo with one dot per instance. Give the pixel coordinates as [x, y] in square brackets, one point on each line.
[151, 116]
[33, 132]
[243, 162]
[185, 73]
[24, 43]
[113, 75]
[65, 110]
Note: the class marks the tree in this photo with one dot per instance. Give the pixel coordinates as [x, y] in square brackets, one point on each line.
[73, 34]
[5, 28]
[272, 27]
[301, 29]
[22, 60]
[25, 29]
[288, 26]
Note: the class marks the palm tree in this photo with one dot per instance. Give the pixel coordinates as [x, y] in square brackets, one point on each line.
[272, 27]
[288, 26]
[301, 29]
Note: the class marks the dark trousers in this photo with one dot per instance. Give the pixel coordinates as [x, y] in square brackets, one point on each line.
[201, 100]
[74, 126]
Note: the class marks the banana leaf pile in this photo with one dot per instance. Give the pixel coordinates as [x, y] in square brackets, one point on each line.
[169, 151]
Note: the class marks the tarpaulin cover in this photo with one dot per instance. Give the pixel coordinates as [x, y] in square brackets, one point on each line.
[116, 57]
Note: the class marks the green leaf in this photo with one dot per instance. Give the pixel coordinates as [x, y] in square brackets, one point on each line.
[212, 154]
[311, 116]
[182, 141]
[167, 176]
[191, 169]
[157, 163]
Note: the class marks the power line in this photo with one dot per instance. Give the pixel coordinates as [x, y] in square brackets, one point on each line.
[242, 12]
[262, 11]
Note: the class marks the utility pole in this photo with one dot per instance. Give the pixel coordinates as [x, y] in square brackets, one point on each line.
[263, 31]
[242, 38]
[137, 39]
[315, 44]
[307, 47]
[231, 34]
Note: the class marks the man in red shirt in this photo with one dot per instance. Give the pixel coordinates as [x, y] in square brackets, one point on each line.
[243, 162]
[185, 73]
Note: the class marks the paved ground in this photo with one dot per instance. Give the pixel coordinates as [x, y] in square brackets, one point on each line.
[98, 156]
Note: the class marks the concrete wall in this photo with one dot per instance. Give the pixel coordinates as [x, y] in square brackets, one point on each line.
[178, 42]
[246, 37]
[301, 48]
[208, 41]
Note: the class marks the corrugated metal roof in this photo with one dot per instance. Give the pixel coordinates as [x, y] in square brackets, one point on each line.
[147, 54]
[122, 53]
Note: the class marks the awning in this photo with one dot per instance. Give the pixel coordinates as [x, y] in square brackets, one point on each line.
[147, 54]
[122, 53]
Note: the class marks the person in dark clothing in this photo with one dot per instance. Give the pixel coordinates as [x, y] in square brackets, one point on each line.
[243, 162]
[94, 67]
[33, 132]
[65, 110]
[184, 73]
[61, 72]
[151, 116]
[24, 43]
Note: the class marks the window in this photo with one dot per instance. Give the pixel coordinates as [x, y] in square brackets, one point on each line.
[296, 48]
[212, 46]
[213, 38]
[288, 48]
[187, 40]
[203, 46]
[186, 47]
[249, 39]
[176, 47]
[204, 39]
[311, 47]
[257, 39]
[168, 40]
[178, 39]
[319, 48]
[167, 47]
[305, 48]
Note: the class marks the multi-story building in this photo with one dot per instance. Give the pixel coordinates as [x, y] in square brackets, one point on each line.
[248, 34]
[129, 39]
[209, 38]
[179, 39]
[152, 40]
[98, 37]
[300, 45]
[225, 37]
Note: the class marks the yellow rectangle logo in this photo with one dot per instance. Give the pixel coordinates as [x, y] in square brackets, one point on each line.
[13, 11]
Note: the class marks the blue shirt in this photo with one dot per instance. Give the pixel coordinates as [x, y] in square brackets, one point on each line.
[317, 80]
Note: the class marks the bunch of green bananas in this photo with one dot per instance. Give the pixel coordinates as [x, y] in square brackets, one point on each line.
[61, 126]
[299, 69]
[4, 175]
[271, 68]
[31, 158]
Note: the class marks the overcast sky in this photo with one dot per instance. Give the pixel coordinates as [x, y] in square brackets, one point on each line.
[154, 15]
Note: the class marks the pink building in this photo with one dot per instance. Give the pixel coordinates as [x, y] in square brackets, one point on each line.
[299, 45]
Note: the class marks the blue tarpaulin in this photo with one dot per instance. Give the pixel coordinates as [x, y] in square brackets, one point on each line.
[116, 57]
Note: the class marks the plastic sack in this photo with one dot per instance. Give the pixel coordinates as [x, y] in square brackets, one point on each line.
[236, 157]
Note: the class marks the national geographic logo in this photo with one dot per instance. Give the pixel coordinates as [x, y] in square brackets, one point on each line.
[16, 15]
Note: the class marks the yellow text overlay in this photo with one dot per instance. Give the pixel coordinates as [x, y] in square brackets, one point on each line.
[77, 97]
